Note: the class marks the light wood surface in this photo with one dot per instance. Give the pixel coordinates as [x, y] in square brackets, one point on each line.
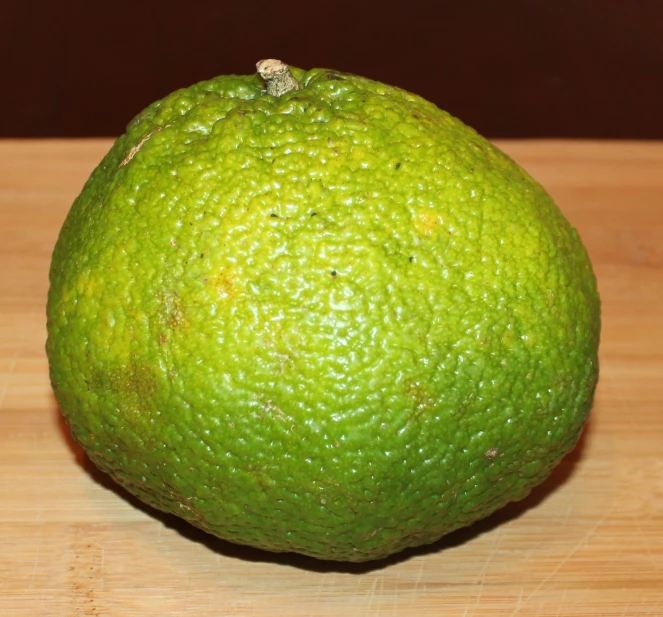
[589, 541]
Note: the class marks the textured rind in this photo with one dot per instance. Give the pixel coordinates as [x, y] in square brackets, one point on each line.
[338, 322]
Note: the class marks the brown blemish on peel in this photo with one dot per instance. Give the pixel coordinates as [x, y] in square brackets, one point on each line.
[138, 146]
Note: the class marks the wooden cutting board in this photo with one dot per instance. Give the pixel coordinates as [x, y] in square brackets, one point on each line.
[587, 542]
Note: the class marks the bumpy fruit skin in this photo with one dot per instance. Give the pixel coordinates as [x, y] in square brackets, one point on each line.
[338, 322]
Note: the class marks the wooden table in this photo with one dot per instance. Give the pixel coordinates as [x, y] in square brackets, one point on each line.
[587, 542]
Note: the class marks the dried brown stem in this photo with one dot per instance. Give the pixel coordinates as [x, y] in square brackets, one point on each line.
[277, 76]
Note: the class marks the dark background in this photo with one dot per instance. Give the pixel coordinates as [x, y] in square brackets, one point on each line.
[509, 68]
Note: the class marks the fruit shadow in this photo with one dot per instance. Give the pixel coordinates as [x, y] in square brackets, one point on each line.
[511, 512]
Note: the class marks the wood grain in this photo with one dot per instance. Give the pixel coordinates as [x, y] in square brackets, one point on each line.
[587, 542]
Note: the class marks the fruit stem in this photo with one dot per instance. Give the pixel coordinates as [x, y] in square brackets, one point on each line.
[277, 76]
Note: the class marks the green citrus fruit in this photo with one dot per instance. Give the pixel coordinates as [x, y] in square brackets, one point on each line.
[329, 319]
